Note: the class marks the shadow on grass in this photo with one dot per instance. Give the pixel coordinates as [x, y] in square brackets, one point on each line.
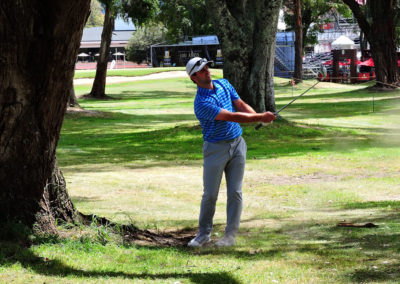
[340, 109]
[99, 140]
[389, 205]
[388, 272]
[11, 253]
[116, 137]
[359, 254]
[372, 252]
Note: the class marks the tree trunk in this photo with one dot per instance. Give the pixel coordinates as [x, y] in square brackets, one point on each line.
[99, 85]
[39, 42]
[59, 203]
[379, 29]
[55, 203]
[247, 31]
[73, 101]
[298, 43]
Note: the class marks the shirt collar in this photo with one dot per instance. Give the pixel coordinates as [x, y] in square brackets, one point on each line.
[201, 90]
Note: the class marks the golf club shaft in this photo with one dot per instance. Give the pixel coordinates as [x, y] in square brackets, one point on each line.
[282, 108]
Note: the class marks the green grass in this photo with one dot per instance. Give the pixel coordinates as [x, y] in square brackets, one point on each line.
[137, 159]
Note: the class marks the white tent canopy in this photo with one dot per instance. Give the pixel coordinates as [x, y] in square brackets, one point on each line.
[83, 54]
[343, 42]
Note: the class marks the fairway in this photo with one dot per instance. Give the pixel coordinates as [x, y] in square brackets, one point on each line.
[137, 159]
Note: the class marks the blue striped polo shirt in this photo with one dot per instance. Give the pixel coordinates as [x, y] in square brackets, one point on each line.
[207, 105]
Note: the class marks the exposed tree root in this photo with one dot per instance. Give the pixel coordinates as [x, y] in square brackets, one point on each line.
[352, 225]
[132, 234]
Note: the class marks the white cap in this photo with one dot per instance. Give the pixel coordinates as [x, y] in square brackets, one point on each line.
[195, 65]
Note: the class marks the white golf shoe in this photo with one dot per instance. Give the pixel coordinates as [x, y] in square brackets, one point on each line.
[199, 241]
[226, 241]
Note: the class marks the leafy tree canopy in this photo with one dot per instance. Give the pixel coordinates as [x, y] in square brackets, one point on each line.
[185, 18]
[138, 49]
[140, 11]
[96, 17]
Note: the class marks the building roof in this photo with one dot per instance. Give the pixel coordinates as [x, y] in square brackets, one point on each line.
[196, 40]
[91, 37]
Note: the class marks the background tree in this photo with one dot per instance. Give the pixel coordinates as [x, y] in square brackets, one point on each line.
[73, 100]
[298, 43]
[96, 17]
[185, 18]
[377, 21]
[299, 16]
[138, 49]
[111, 8]
[39, 46]
[312, 12]
[397, 23]
[140, 11]
[247, 31]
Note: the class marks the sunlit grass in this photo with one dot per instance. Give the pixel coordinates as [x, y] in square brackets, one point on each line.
[138, 159]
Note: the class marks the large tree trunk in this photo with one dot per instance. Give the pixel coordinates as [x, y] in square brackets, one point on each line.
[379, 29]
[298, 43]
[99, 85]
[247, 31]
[39, 42]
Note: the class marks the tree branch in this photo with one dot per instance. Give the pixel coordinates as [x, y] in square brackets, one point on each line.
[358, 13]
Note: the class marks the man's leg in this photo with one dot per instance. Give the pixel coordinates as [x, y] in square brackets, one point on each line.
[215, 158]
[234, 173]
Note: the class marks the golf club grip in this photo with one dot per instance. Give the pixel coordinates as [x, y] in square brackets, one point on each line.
[258, 126]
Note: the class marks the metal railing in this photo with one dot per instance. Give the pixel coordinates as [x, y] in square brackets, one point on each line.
[279, 57]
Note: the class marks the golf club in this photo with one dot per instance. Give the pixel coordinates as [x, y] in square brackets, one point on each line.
[323, 72]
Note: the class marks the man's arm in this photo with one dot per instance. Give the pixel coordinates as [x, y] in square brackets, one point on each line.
[243, 117]
[241, 106]
[244, 114]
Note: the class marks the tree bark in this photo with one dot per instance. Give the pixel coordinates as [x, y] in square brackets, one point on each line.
[99, 84]
[73, 101]
[247, 31]
[379, 29]
[39, 42]
[60, 204]
[298, 43]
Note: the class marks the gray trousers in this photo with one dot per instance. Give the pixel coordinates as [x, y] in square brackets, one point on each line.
[229, 157]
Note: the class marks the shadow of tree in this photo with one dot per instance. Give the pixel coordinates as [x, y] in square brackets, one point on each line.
[44, 266]
[112, 140]
[390, 272]
[374, 252]
[340, 109]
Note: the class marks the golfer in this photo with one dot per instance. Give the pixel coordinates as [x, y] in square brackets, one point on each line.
[219, 109]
